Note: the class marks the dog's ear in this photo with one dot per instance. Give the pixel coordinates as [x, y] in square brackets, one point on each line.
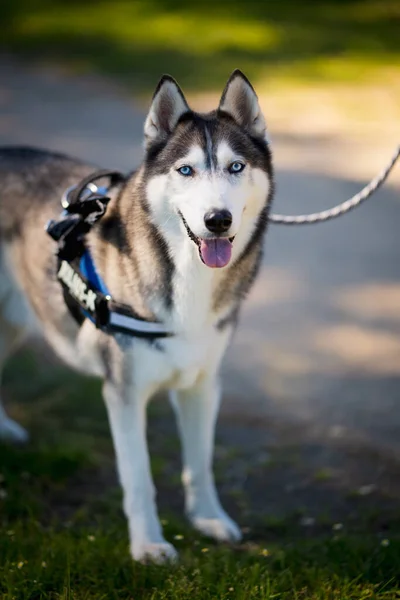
[240, 101]
[167, 107]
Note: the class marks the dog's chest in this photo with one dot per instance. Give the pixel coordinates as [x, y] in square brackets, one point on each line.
[179, 362]
[199, 344]
[189, 358]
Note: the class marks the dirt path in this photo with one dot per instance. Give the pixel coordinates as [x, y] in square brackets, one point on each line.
[314, 370]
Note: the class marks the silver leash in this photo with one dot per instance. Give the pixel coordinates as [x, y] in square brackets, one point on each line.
[340, 209]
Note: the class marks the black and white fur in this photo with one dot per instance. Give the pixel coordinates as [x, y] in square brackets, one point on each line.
[148, 250]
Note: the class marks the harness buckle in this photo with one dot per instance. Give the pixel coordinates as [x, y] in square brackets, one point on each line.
[91, 188]
[78, 217]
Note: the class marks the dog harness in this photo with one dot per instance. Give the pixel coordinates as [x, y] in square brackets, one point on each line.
[85, 293]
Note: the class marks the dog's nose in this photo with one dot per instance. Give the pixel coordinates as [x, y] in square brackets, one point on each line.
[218, 221]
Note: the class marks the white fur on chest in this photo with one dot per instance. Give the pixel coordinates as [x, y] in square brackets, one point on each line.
[197, 345]
[182, 361]
[193, 285]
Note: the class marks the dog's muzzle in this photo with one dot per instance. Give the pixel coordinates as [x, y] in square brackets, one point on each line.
[215, 252]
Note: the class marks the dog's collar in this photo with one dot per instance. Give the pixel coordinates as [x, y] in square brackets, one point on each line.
[85, 293]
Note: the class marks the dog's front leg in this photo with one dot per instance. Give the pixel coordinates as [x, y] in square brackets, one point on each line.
[127, 415]
[196, 411]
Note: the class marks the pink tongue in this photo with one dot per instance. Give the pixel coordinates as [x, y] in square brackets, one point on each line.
[216, 252]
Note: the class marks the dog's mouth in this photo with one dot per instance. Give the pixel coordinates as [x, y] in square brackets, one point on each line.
[214, 252]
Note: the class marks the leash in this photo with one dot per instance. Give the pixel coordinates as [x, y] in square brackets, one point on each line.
[340, 209]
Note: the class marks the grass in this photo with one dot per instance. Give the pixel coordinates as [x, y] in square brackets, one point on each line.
[201, 42]
[93, 563]
[63, 535]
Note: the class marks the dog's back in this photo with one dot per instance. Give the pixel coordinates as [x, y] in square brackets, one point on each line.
[30, 184]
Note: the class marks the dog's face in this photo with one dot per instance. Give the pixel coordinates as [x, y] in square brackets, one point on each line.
[207, 176]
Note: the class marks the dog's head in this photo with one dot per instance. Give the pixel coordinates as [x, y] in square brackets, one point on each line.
[207, 175]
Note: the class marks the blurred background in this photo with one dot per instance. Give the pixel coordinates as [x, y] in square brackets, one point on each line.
[311, 407]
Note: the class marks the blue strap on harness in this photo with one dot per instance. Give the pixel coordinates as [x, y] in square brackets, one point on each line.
[88, 270]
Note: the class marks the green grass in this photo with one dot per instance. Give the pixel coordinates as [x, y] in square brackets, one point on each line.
[93, 563]
[63, 534]
[201, 42]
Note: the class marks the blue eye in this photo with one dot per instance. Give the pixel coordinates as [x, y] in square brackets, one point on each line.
[186, 171]
[236, 167]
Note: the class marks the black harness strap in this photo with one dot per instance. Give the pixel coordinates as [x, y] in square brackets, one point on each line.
[85, 294]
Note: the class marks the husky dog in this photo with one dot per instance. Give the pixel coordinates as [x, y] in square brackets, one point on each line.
[180, 244]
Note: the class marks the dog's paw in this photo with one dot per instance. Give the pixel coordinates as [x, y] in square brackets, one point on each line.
[158, 553]
[10, 431]
[221, 528]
